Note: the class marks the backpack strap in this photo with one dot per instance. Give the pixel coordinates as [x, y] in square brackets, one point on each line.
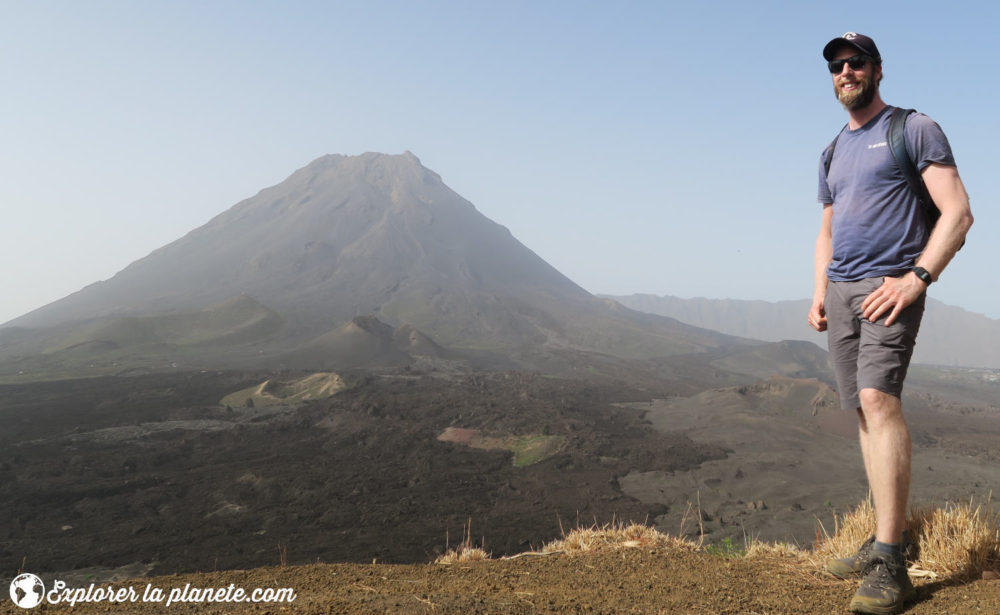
[829, 151]
[900, 154]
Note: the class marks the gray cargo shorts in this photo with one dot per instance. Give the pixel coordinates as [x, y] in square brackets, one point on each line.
[868, 355]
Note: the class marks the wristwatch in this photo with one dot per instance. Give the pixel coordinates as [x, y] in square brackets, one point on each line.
[923, 274]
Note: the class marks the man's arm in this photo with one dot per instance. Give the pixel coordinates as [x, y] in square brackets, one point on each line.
[824, 254]
[946, 189]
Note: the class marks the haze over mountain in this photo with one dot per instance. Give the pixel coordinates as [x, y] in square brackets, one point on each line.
[949, 336]
[374, 236]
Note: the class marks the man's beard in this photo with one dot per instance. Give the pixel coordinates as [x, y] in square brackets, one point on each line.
[858, 98]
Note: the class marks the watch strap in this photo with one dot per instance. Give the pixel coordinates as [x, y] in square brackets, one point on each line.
[923, 274]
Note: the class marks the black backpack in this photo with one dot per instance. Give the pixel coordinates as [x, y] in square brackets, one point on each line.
[897, 145]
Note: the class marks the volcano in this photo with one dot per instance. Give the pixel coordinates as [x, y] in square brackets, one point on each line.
[374, 236]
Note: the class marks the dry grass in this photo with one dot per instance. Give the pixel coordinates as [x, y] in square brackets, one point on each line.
[849, 531]
[756, 549]
[464, 552]
[615, 535]
[957, 542]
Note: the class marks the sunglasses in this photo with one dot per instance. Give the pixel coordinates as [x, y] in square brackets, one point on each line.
[855, 62]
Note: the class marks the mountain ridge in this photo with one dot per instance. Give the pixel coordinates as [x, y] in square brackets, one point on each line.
[949, 335]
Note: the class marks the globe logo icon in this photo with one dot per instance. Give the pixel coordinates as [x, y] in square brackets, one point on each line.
[27, 590]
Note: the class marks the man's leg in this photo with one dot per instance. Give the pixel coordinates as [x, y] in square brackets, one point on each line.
[863, 438]
[883, 359]
[870, 361]
[853, 565]
[885, 446]
[885, 443]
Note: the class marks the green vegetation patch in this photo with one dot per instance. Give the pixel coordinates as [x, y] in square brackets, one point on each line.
[534, 448]
[279, 393]
[528, 449]
[727, 548]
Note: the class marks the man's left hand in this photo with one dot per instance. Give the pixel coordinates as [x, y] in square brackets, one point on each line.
[893, 297]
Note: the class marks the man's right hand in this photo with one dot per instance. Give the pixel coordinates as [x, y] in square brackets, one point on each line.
[817, 315]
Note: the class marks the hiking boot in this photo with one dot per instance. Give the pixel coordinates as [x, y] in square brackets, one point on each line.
[885, 589]
[847, 567]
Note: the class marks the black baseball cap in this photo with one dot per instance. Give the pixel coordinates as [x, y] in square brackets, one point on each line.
[860, 42]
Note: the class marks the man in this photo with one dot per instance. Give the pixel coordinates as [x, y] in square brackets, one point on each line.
[875, 257]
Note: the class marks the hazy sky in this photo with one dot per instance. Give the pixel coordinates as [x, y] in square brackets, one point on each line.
[656, 147]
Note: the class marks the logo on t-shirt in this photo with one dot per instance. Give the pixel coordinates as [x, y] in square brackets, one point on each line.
[874, 145]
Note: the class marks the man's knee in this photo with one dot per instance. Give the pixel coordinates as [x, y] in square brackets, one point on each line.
[873, 397]
[878, 407]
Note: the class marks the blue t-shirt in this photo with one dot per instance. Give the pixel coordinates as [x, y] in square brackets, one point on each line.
[879, 228]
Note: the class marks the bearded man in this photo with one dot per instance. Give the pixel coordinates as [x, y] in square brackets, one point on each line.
[876, 254]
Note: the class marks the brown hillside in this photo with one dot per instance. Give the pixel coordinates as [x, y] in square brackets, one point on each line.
[635, 580]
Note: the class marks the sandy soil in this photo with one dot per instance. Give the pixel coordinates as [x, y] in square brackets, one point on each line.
[625, 581]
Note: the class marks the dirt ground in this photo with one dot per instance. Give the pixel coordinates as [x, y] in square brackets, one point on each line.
[625, 581]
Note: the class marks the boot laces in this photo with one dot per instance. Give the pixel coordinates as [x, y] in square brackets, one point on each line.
[880, 574]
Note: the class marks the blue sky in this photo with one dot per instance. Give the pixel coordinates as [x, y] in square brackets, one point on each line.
[655, 147]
